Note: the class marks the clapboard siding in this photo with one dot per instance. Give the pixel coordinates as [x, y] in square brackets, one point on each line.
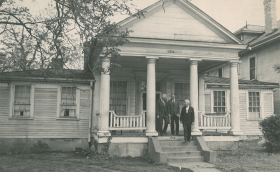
[267, 104]
[245, 125]
[172, 23]
[208, 103]
[44, 124]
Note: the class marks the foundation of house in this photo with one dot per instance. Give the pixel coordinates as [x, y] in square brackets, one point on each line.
[36, 145]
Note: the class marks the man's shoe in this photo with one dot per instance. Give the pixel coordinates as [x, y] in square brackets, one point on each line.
[185, 140]
[189, 140]
[177, 135]
[161, 134]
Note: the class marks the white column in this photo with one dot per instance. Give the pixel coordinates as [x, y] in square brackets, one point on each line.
[151, 96]
[234, 100]
[104, 99]
[194, 95]
[201, 94]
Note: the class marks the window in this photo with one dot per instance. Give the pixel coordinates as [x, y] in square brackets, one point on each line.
[22, 101]
[219, 101]
[68, 102]
[182, 92]
[118, 97]
[220, 72]
[254, 105]
[252, 68]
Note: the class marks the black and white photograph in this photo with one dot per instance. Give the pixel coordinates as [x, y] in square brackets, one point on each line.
[139, 85]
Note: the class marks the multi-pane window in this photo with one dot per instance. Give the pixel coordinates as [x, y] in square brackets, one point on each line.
[254, 105]
[68, 102]
[22, 101]
[118, 97]
[252, 68]
[219, 101]
[182, 92]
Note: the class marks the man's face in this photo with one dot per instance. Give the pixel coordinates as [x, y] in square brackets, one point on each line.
[173, 96]
[164, 96]
[187, 102]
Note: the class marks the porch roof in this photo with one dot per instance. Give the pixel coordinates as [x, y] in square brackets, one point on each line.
[47, 75]
[252, 83]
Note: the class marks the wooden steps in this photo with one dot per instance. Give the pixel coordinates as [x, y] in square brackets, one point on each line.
[178, 151]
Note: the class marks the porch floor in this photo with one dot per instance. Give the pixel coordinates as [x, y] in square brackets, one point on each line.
[143, 134]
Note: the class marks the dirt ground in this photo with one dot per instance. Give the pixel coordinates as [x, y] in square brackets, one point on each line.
[250, 157]
[68, 162]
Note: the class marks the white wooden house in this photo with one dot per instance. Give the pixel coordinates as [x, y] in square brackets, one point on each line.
[169, 51]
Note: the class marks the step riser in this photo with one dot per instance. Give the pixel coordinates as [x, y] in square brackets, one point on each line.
[176, 149]
[183, 160]
[176, 143]
[173, 155]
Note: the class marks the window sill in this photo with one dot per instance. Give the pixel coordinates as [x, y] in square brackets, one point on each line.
[68, 118]
[21, 118]
[254, 119]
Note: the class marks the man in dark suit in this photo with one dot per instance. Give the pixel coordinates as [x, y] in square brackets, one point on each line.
[187, 118]
[162, 114]
[174, 111]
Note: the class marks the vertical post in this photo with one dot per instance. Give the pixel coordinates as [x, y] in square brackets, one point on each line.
[151, 96]
[104, 99]
[234, 100]
[194, 95]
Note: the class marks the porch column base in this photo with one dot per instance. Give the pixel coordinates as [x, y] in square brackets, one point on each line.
[103, 133]
[151, 133]
[196, 133]
[236, 133]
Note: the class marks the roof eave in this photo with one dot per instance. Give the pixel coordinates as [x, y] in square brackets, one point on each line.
[260, 44]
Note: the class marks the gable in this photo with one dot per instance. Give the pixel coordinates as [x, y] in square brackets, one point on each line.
[176, 23]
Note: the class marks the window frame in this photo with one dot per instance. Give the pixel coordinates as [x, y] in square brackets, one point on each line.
[12, 99]
[174, 82]
[261, 106]
[222, 72]
[226, 100]
[255, 68]
[58, 116]
[127, 92]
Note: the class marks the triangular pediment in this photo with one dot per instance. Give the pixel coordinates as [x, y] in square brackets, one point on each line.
[177, 20]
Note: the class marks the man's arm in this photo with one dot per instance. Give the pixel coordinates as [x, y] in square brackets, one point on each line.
[192, 114]
[157, 109]
[182, 111]
[178, 109]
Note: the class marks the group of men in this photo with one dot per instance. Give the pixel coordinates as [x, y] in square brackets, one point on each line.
[169, 113]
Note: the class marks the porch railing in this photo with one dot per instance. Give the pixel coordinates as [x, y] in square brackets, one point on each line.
[214, 121]
[137, 122]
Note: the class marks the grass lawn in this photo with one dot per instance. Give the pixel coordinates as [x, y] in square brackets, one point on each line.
[66, 162]
[249, 157]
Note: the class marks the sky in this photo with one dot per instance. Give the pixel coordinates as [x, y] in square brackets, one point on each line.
[232, 14]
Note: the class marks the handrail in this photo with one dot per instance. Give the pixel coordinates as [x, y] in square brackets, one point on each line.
[215, 121]
[126, 122]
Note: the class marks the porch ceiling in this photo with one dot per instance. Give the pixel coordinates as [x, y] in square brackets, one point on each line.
[166, 64]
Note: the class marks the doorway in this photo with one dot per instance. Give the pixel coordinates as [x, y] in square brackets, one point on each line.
[144, 99]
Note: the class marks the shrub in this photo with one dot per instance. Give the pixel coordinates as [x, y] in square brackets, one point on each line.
[271, 131]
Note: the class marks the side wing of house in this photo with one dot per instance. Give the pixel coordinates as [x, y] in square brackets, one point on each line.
[254, 106]
[34, 110]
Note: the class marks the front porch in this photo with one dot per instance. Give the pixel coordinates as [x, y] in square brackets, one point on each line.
[129, 97]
